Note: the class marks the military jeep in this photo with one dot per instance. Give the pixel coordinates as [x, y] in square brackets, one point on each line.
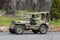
[36, 22]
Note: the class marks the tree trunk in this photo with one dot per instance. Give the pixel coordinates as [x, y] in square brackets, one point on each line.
[11, 8]
[40, 5]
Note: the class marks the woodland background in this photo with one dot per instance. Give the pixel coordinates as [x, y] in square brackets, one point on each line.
[13, 9]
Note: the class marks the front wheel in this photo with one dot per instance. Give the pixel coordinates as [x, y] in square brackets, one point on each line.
[43, 29]
[19, 29]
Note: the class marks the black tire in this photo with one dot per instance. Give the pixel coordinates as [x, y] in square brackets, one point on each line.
[12, 31]
[35, 31]
[19, 29]
[43, 29]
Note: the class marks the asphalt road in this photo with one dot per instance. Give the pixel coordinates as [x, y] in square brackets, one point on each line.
[30, 36]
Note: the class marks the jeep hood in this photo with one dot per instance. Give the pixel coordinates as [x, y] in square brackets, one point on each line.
[23, 22]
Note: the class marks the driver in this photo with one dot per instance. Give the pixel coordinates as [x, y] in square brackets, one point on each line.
[33, 20]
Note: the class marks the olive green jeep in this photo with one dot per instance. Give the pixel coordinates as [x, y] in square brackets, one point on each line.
[36, 21]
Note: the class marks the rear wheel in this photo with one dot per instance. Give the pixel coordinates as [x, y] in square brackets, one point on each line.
[19, 29]
[35, 31]
[43, 29]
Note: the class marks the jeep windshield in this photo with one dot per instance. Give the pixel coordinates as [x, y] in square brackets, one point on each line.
[27, 17]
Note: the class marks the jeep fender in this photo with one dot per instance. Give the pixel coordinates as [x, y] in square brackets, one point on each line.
[45, 25]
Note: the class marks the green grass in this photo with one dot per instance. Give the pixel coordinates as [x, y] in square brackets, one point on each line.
[55, 22]
[5, 21]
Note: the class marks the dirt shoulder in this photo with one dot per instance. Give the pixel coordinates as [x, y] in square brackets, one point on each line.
[4, 28]
[54, 28]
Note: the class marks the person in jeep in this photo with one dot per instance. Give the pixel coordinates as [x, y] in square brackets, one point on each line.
[33, 20]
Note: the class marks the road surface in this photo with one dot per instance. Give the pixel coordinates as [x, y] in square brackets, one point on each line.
[30, 36]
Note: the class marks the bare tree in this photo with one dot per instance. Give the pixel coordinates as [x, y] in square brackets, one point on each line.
[10, 7]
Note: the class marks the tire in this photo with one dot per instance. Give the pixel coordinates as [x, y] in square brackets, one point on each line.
[43, 29]
[35, 31]
[12, 31]
[19, 29]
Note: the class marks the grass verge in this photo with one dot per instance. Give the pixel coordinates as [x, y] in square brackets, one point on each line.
[55, 23]
[5, 21]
